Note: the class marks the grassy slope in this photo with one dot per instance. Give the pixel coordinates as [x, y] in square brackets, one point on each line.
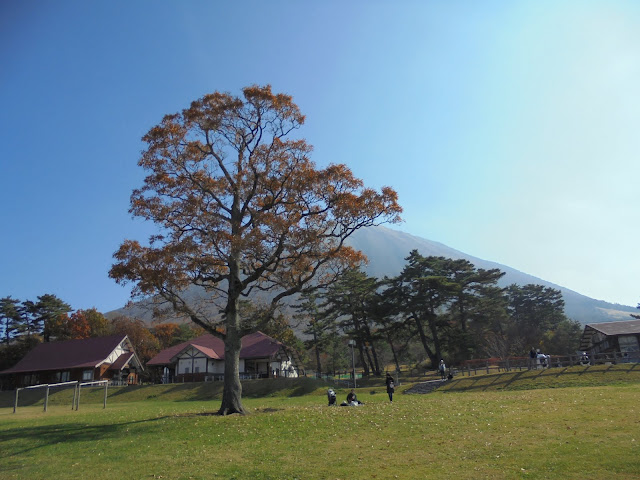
[598, 375]
[479, 432]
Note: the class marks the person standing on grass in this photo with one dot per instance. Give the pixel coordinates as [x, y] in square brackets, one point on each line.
[442, 368]
[390, 387]
[533, 355]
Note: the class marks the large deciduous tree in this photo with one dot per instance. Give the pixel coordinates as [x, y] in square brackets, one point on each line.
[240, 206]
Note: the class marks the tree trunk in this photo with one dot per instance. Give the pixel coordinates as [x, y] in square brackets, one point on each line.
[393, 352]
[318, 364]
[363, 360]
[424, 340]
[232, 393]
[432, 321]
[375, 360]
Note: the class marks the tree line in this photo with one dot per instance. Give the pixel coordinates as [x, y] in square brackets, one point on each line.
[436, 308]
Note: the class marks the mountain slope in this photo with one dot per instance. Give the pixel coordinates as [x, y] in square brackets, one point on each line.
[387, 249]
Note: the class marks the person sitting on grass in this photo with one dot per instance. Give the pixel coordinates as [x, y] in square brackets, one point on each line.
[352, 399]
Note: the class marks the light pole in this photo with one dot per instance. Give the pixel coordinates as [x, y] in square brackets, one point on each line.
[352, 344]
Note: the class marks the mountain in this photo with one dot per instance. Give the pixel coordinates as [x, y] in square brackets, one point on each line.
[387, 249]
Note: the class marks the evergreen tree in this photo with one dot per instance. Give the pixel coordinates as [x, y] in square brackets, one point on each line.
[321, 328]
[45, 315]
[10, 317]
[421, 292]
[351, 301]
[534, 310]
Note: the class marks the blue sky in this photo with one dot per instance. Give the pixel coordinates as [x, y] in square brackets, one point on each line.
[509, 129]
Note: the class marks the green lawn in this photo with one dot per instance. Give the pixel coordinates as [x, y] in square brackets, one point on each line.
[565, 433]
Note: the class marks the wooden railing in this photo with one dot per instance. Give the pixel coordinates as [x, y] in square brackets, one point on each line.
[508, 364]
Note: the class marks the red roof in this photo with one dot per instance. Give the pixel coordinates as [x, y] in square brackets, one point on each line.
[121, 361]
[259, 345]
[86, 353]
[254, 345]
[206, 341]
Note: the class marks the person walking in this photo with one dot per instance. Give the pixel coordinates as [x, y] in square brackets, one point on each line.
[443, 370]
[390, 387]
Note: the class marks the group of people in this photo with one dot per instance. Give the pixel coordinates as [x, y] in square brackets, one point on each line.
[538, 358]
[352, 399]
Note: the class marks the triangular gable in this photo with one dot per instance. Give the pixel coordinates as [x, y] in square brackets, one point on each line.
[208, 352]
[128, 358]
[206, 341]
[69, 354]
[121, 361]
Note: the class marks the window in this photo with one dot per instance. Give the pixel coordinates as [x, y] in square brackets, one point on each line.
[62, 376]
[87, 375]
[196, 370]
[628, 343]
[186, 369]
[31, 379]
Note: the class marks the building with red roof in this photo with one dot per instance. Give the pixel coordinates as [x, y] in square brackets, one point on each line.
[100, 358]
[202, 359]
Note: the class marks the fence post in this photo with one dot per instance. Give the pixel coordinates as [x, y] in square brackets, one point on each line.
[106, 384]
[488, 368]
[15, 403]
[46, 398]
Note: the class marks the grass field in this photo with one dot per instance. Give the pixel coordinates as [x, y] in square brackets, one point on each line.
[491, 428]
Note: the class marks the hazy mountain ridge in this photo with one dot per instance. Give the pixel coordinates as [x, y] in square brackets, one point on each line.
[387, 249]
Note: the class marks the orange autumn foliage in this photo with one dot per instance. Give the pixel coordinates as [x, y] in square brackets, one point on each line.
[240, 206]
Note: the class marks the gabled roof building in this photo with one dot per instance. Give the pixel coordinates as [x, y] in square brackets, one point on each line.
[612, 337]
[202, 359]
[90, 359]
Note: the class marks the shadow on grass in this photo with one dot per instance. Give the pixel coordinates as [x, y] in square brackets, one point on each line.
[17, 441]
[548, 378]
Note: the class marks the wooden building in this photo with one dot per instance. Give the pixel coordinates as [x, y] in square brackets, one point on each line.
[100, 358]
[202, 359]
[616, 340]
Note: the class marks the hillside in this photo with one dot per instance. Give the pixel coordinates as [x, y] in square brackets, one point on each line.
[387, 249]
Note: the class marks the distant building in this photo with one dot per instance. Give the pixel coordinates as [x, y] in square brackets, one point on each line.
[100, 358]
[622, 339]
[202, 359]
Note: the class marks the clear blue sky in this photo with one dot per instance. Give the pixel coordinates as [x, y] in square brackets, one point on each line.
[509, 129]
